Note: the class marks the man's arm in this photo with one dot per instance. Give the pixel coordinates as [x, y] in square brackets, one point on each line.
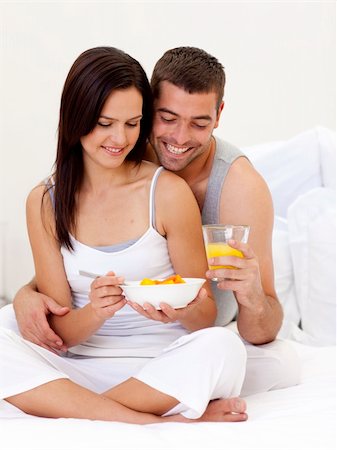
[31, 310]
[246, 200]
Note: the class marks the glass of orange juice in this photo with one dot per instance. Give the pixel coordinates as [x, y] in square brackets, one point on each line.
[216, 239]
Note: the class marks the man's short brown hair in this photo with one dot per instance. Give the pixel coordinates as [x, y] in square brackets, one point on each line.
[191, 69]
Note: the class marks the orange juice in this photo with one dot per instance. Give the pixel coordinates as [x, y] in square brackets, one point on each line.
[215, 249]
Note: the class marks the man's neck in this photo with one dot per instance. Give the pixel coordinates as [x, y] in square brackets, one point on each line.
[196, 174]
[150, 154]
[200, 168]
[196, 171]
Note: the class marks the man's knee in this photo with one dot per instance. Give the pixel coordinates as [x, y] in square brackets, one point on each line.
[7, 317]
[289, 363]
[275, 365]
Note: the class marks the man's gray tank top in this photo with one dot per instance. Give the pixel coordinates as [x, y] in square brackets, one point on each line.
[225, 155]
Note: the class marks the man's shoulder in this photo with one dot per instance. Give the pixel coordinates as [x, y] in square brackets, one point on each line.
[226, 151]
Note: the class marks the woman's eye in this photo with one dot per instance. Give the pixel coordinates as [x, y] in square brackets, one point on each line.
[132, 125]
[101, 124]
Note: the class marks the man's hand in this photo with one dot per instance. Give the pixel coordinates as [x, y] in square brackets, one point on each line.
[244, 280]
[31, 315]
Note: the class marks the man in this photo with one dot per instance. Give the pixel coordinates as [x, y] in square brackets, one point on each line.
[188, 86]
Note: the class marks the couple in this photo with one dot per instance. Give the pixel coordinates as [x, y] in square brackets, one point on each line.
[107, 210]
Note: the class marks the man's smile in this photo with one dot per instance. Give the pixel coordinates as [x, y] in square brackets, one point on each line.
[176, 149]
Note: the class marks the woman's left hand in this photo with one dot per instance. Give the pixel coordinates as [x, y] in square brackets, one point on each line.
[168, 314]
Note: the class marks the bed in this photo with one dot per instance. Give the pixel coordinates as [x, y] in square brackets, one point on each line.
[301, 176]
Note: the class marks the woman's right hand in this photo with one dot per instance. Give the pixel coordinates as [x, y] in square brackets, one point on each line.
[31, 310]
[106, 296]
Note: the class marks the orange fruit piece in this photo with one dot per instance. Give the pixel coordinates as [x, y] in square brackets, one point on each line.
[173, 279]
[147, 281]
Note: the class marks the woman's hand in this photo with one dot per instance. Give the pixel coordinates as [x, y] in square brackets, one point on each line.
[168, 314]
[106, 296]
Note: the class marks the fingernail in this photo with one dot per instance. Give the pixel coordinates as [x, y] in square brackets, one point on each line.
[238, 404]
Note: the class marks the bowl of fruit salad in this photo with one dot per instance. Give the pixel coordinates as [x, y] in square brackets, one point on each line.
[176, 291]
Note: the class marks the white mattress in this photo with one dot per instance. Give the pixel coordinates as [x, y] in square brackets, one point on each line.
[300, 417]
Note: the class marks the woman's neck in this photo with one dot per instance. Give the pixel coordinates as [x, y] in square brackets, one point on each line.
[100, 179]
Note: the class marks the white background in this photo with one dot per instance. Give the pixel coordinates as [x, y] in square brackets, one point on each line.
[279, 59]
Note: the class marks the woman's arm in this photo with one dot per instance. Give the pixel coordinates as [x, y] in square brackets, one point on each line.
[78, 324]
[178, 218]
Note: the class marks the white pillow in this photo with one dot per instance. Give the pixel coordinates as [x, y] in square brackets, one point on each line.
[312, 225]
[284, 278]
[327, 144]
[290, 167]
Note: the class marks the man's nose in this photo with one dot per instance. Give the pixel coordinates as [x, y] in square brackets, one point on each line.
[181, 134]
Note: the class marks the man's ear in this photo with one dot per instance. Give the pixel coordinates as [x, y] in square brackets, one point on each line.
[218, 114]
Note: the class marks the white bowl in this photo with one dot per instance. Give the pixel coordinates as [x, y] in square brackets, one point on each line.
[176, 295]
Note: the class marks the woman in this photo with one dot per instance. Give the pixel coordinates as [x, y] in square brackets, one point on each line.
[107, 210]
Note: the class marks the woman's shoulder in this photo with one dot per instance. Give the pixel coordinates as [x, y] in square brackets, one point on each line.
[168, 183]
[149, 169]
[37, 196]
[170, 180]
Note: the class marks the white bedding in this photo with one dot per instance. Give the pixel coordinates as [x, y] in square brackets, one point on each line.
[300, 417]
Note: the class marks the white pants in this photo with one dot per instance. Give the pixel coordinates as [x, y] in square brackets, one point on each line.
[196, 368]
[275, 365]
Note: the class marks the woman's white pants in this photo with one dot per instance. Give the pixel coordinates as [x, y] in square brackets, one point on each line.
[196, 368]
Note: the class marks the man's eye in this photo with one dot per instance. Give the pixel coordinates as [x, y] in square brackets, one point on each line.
[165, 119]
[200, 126]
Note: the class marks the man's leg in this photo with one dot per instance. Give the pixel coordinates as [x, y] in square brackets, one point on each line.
[275, 365]
[7, 318]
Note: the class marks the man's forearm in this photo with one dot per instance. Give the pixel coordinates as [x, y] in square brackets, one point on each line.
[261, 325]
[27, 289]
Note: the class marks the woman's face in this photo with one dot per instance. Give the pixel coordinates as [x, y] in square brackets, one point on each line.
[117, 129]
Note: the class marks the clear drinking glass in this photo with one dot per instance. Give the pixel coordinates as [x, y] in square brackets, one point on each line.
[216, 239]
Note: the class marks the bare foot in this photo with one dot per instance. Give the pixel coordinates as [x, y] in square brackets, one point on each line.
[225, 410]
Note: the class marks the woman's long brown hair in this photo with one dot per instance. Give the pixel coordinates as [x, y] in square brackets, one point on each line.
[94, 75]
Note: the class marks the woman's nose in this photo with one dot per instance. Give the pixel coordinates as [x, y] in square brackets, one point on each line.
[118, 135]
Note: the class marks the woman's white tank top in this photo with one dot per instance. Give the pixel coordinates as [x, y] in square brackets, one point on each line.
[127, 333]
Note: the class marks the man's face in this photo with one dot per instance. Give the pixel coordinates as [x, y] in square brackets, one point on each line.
[183, 125]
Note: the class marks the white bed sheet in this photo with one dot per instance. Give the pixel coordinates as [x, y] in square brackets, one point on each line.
[300, 417]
